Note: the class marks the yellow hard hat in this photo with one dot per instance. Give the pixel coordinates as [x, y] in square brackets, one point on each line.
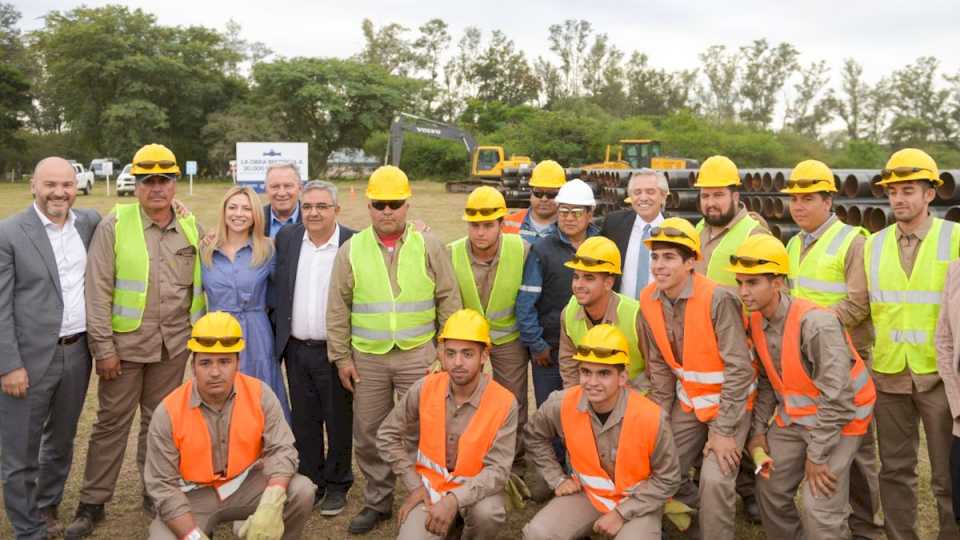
[548, 174]
[717, 171]
[810, 176]
[388, 183]
[485, 204]
[466, 325]
[154, 159]
[678, 231]
[760, 254]
[910, 164]
[216, 332]
[603, 344]
[596, 254]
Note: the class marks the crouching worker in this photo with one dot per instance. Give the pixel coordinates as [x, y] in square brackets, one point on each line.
[624, 462]
[465, 427]
[817, 384]
[220, 450]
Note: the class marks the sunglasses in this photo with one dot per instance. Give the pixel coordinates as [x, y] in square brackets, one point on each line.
[589, 261]
[480, 211]
[307, 208]
[211, 341]
[545, 194]
[804, 183]
[750, 262]
[575, 212]
[902, 171]
[668, 231]
[381, 205]
[599, 352]
[163, 164]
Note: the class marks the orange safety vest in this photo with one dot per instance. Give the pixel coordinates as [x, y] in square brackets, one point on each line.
[798, 395]
[700, 375]
[474, 443]
[512, 222]
[192, 438]
[638, 439]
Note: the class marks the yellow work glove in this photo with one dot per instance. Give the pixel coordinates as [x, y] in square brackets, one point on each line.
[267, 522]
[678, 514]
[516, 491]
[763, 461]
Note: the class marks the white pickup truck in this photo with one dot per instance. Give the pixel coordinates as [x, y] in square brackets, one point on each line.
[84, 178]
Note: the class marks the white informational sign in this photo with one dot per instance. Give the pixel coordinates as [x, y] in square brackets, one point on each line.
[106, 168]
[191, 168]
[253, 158]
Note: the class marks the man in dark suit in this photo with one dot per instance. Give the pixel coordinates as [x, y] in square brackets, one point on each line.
[647, 192]
[282, 185]
[44, 364]
[305, 254]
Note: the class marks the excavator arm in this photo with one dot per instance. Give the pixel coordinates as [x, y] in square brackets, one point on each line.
[403, 122]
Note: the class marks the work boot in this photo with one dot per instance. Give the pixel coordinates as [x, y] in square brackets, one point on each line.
[751, 509]
[86, 519]
[148, 507]
[49, 515]
[333, 503]
[367, 520]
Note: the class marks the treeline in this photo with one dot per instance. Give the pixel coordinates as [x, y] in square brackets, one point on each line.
[102, 81]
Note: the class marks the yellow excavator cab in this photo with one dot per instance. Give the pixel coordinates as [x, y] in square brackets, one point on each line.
[489, 162]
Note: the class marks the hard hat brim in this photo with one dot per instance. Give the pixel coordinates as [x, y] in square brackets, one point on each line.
[606, 268]
[619, 359]
[478, 218]
[197, 348]
[936, 181]
[441, 338]
[140, 177]
[668, 240]
[756, 270]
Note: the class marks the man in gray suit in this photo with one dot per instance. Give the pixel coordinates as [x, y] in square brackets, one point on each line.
[44, 361]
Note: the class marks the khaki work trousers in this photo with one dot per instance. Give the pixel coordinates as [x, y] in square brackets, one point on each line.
[138, 385]
[823, 518]
[384, 378]
[717, 494]
[573, 516]
[865, 519]
[509, 364]
[209, 512]
[481, 521]
[898, 417]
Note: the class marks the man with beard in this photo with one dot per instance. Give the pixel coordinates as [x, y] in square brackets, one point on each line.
[540, 220]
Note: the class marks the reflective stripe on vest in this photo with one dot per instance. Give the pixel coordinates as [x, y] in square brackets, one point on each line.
[797, 392]
[627, 311]
[474, 443]
[720, 258]
[499, 310]
[638, 438]
[132, 269]
[379, 321]
[905, 310]
[191, 435]
[820, 277]
[700, 372]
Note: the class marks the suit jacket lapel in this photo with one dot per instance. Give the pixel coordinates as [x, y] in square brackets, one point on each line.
[297, 242]
[626, 231]
[85, 229]
[33, 228]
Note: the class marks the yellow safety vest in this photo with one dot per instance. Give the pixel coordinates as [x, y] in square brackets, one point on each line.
[820, 277]
[132, 273]
[379, 320]
[905, 310]
[720, 259]
[627, 310]
[503, 294]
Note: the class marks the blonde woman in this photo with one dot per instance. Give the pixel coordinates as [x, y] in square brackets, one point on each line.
[237, 264]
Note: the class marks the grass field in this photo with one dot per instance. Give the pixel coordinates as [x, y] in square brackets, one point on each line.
[430, 203]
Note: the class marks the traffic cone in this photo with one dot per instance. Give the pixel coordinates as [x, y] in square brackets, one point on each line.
[353, 192]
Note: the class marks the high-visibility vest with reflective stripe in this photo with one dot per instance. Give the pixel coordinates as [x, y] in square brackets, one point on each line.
[499, 310]
[700, 372]
[905, 311]
[821, 277]
[627, 310]
[132, 274]
[192, 437]
[512, 222]
[638, 440]
[720, 259]
[798, 395]
[379, 321]
[474, 443]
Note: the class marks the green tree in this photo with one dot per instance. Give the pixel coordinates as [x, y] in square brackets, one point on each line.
[569, 41]
[388, 48]
[719, 97]
[812, 105]
[14, 87]
[502, 73]
[765, 70]
[920, 104]
[657, 91]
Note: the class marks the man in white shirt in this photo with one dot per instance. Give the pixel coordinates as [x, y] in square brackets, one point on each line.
[305, 254]
[44, 361]
[647, 193]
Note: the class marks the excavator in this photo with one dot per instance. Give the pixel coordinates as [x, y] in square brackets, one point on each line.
[637, 153]
[487, 163]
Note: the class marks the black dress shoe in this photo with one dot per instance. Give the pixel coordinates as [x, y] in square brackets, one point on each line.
[86, 519]
[751, 509]
[367, 520]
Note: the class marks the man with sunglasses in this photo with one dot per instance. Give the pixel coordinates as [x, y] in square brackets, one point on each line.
[489, 268]
[826, 267]
[906, 265]
[595, 266]
[623, 458]
[818, 391]
[220, 449]
[701, 372]
[540, 220]
[143, 291]
[391, 286]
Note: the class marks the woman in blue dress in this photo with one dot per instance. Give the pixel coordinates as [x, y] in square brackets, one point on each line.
[237, 264]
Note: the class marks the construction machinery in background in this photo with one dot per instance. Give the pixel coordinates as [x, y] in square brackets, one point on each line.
[640, 153]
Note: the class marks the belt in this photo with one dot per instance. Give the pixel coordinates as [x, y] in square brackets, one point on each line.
[309, 342]
[71, 339]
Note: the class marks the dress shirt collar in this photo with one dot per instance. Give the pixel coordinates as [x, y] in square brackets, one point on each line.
[779, 317]
[639, 223]
[71, 218]
[274, 220]
[811, 237]
[616, 414]
[685, 293]
[333, 241]
[920, 233]
[196, 400]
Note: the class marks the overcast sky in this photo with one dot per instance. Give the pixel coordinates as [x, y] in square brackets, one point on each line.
[881, 35]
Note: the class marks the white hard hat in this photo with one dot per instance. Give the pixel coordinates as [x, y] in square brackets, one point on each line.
[576, 192]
